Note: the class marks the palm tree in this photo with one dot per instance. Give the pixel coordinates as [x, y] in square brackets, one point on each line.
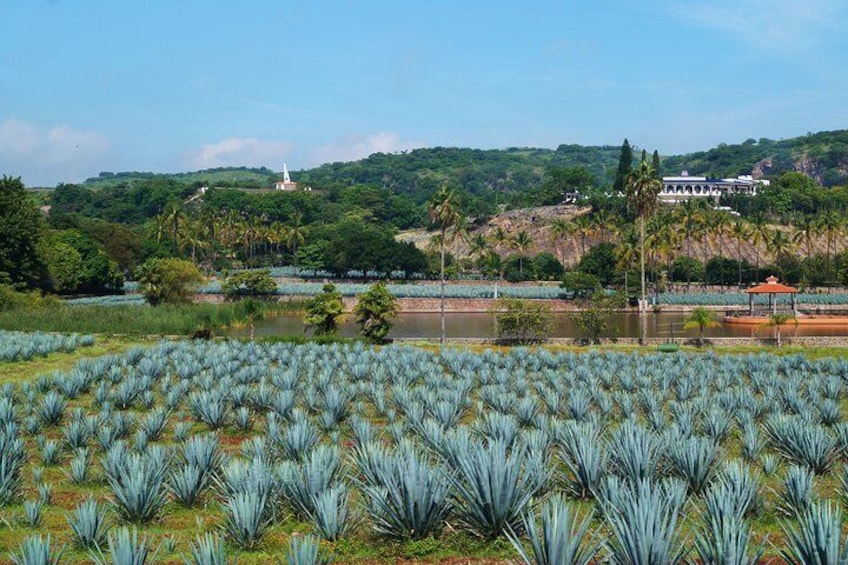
[585, 228]
[627, 251]
[663, 237]
[643, 189]
[758, 235]
[779, 244]
[499, 238]
[720, 223]
[778, 320]
[444, 210]
[603, 223]
[740, 231]
[561, 228]
[700, 318]
[804, 230]
[211, 226]
[478, 246]
[831, 225]
[691, 215]
[522, 242]
[176, 217]
[296, 234]
[191, 236]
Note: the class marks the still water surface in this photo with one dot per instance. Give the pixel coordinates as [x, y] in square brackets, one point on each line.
[481, 325]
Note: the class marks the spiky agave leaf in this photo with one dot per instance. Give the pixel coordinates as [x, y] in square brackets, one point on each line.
[562, 539]
[246, 518]
[817, 537]
[305, 550]
[125, 548]
[208, 549]
[694, 460]
[407, 495]
[725, 535]
[643, 518]
[36, 550]
[88, 524]
[492, 487]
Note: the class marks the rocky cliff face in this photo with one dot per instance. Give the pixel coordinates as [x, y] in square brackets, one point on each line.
[811, 166]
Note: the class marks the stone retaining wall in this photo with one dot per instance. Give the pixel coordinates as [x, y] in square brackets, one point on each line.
[652, 342]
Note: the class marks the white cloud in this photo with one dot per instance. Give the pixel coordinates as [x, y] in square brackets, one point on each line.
[773, 25]
[48, 155]
[353, 147]
[67, 144]
[239, 152]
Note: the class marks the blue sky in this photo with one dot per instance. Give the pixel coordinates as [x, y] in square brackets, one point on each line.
[179, 85]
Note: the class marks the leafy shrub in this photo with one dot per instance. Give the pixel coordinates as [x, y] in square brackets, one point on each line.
[249, 283]
[168, 280]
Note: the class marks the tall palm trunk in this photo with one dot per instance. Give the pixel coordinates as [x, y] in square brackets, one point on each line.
[739, 252]
[442, 292]
[643, 305]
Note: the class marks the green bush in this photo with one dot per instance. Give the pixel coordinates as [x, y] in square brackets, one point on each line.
[171, 281]
[374, 312]
[324, 310]
[522, 321]
[250, 283]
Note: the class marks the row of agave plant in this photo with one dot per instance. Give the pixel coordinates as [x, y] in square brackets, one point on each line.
[736, 298]
[595, 456]
[24, 346]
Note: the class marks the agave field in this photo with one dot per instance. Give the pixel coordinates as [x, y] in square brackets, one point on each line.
[206, 452]
[23, 346]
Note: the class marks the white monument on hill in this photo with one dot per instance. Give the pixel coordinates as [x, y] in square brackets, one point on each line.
[286, 183]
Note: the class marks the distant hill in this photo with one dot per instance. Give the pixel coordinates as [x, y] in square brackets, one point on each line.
[238, 177]
[822, 156]
[477, 171]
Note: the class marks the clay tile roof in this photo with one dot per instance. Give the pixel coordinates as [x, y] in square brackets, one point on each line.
[771, 286]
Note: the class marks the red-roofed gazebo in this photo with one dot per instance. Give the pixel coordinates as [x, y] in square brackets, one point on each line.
[771, 287]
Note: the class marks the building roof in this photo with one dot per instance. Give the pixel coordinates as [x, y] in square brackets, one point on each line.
[771, 286]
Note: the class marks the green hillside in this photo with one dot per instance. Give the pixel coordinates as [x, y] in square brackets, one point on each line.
[504, 174]
[239, 177]
[822, 156]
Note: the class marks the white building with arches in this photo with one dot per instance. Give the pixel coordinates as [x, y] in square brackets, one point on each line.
[684, 187]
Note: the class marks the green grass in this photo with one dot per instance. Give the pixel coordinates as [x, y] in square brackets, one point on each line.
[182, 319]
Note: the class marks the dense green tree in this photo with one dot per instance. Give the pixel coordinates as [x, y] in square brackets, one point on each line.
[655, 164]
[20, 231]
[324, 310]
[168, 280]
[580, 284]
[374, 312]
[522, 321]
[547, 267]
[64, 267]
[593, 318]
[686, 268]
[625, 168]
[98, 274]
[600, 261]
[560, 181]
[250, 283]
[724, 271]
